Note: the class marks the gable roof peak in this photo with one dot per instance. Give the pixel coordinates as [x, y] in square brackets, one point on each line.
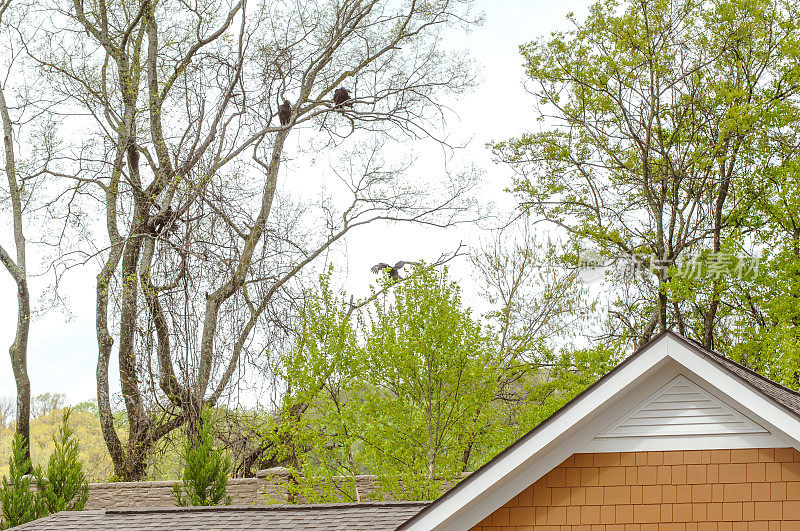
[767, 413]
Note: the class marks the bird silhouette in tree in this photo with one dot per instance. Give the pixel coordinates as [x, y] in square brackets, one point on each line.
[393, 271]
[341, 97]
[285, 112]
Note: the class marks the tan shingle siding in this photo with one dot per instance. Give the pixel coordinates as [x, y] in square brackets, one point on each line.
[697, 490]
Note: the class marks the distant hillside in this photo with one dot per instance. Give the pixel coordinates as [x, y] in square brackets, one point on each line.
[93, 453]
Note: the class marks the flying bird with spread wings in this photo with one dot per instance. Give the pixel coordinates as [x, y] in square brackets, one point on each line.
[393, 272]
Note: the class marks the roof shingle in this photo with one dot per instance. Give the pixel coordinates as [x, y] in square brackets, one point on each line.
[339, 516]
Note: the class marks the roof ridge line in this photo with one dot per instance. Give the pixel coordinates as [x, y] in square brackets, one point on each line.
[262, 508]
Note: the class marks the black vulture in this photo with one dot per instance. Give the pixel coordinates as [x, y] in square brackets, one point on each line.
[133, 155]
[163, 221]
[394, 272]
[285, 112]
[341, 97]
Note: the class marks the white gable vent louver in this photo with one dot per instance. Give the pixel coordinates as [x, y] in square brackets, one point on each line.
[682, 408]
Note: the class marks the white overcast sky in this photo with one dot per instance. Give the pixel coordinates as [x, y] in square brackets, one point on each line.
[62, 350]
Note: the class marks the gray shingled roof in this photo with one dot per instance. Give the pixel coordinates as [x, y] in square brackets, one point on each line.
[337, 516]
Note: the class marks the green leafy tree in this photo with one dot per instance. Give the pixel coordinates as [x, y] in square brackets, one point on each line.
[416, 390]
[315, 434]
[768, 308]
[63, 485]
[205, 477]
[19, 503]
[432, 379]
[406, 394]
[655, 117]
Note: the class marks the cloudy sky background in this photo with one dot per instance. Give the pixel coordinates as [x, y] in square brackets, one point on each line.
[62, 350]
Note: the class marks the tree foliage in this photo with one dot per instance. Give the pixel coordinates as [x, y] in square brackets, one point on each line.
[654, 118]
[433, 374]
[405, 393]
[767, 321]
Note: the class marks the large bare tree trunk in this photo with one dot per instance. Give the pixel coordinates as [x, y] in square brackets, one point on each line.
[183, 306]
[19, 348]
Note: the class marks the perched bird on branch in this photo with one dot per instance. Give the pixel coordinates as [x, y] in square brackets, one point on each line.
[285, 112]
[393, 272]
[160, 222]
[341, 97]
[133, 155]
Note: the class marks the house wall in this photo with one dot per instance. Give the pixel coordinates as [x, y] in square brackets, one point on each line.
[697, 490]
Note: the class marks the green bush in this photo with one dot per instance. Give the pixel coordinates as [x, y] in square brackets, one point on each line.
[63, 486]
[205, 476]
[19, 503]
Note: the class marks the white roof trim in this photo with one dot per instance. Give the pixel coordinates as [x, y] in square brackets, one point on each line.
[574, 428]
